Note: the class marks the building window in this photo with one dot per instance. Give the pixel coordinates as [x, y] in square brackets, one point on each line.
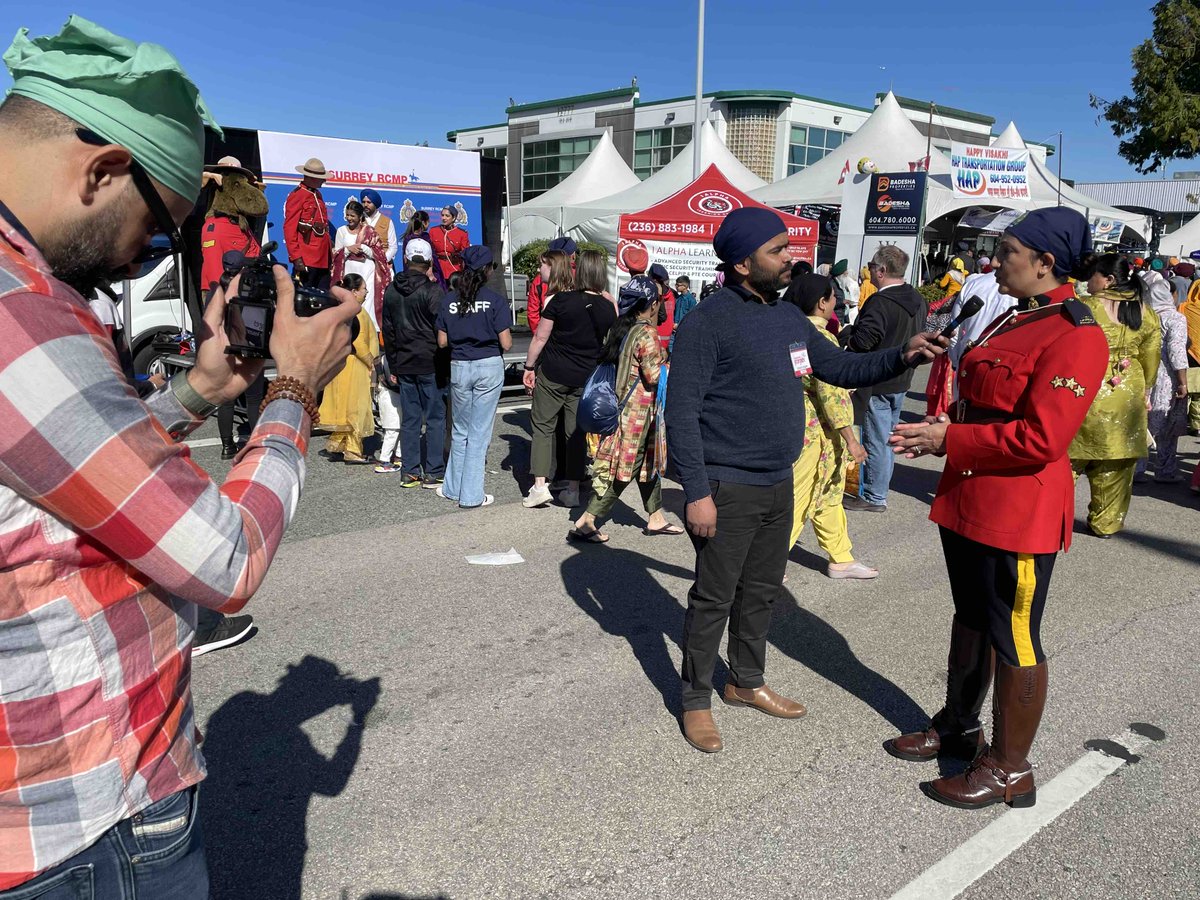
[494, 152]
[546, 163]
[808, 144]
[656, 147]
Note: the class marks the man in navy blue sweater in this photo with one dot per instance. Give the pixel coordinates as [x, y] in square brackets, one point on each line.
[735, 416]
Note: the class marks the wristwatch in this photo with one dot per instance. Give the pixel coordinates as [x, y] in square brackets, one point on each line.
[189, 399]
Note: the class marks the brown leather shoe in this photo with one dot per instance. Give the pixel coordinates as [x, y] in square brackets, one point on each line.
[700, 730]
[1003, 774]
[764, 700]
[955, 730]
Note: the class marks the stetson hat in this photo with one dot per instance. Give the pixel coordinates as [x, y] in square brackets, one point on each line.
[314, 168]
[230, 164]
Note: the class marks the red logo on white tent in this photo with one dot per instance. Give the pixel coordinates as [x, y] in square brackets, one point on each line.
[845, 172]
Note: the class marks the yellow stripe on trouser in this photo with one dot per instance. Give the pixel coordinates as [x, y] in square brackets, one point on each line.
[1026, 585]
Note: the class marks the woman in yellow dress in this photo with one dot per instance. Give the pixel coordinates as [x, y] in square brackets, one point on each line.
[952, 281]
[866, 287]
[819, 475]
[1113, 436]
[346, 403]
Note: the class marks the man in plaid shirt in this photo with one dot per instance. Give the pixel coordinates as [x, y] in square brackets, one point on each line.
[109, 533]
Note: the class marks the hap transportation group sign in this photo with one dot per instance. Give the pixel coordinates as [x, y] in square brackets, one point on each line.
[894, 203]
[989, 173]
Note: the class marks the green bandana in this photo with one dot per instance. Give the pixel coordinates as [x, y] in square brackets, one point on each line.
[134, 95]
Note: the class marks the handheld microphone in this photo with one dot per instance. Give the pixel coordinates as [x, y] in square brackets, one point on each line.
[972, 306]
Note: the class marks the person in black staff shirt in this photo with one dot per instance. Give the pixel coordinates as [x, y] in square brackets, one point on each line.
[735, 414]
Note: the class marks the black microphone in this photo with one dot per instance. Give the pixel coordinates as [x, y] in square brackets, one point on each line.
[972, 306]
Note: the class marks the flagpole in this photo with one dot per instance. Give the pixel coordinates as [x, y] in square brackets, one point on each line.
[699, 94]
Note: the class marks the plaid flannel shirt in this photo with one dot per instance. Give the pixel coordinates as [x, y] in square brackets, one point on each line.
[109, 534]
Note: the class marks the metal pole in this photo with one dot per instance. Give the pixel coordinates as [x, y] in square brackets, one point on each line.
[1060, 142]
[509, 242]
[929, 138]
[699, 94]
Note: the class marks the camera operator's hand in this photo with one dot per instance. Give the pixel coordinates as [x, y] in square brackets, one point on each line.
[312, 349]
[217, 376]
[925, 347]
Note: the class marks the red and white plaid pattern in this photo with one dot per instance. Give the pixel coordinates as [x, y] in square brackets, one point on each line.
[109, 533]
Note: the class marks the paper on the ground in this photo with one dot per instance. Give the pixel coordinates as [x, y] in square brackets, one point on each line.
[512, 557]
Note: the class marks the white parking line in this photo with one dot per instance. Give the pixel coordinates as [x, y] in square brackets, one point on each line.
[970, 861]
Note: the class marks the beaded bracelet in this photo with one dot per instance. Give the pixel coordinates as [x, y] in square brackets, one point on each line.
[287, 388]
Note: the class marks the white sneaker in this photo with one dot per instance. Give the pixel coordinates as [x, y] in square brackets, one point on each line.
[569, 499]
[488, 500]
[441, 493]
[537, 497]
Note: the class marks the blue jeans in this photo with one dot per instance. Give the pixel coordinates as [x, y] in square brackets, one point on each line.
[421, 401]
[881, 417]
[157, 853]
[475, 392]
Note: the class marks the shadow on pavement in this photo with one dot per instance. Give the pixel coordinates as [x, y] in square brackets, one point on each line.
[915, 481]
[813, 642]
[263, 771]
[616, 589]
[378, 896]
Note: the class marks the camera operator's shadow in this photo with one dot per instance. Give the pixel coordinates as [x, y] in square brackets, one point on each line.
[263, 771]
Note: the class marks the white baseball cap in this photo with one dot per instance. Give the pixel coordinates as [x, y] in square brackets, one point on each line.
[418, 247]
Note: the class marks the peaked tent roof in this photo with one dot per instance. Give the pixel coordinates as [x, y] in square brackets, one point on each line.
[1181, 241]
[888, 137]
[1045, 190]
[673, 177]
[602, 173]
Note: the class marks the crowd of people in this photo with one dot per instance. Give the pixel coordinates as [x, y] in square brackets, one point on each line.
[113, 539]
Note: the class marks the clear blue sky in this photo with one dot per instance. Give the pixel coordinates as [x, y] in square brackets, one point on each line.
[446, 64]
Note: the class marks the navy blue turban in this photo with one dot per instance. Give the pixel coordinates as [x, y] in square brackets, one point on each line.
[744, 231]
[477, 256]
[1059, 231]
[565, 244]
[373, 196]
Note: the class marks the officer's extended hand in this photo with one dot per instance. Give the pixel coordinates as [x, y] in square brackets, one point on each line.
[915, 439]
[924, 348]
[701, 517]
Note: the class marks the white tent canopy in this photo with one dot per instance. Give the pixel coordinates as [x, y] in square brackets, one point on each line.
[604, 172]
[1181, 241]
[671, 178]
[887, 137]
[894, 144]
[1044, 189]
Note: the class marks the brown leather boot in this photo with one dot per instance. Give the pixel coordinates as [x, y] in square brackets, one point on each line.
[764, 700]
[700, 730]
[955, 730]
[1003, 774]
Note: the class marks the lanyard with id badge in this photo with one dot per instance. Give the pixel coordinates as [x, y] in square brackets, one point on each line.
[800, 364]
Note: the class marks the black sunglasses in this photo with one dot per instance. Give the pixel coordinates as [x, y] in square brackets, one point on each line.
[154, 202]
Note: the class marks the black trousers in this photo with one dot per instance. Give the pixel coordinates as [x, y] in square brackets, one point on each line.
[318, 279]
[1001, 593]
[739, 573]
[254, 398]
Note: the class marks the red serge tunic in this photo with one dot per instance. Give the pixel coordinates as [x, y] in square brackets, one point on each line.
[1024, 391]
[306, 228]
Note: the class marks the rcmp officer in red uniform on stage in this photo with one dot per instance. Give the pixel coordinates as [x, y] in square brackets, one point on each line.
[1006, 505]
[306, 227]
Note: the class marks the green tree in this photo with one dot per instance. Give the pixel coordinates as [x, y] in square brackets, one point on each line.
[1161, 121]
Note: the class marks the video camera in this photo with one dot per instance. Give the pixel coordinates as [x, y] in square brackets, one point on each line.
[250, 316]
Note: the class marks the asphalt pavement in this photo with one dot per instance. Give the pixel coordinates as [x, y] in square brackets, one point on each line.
[519, 734]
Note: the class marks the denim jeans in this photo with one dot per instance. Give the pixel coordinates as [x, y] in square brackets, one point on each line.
[475, 392]
[422, 401]
[882, 415]
[157, 853]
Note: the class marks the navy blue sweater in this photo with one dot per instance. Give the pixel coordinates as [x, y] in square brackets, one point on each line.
[735, 408]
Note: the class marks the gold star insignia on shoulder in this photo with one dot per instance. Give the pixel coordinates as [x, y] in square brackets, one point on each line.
[1059, 381]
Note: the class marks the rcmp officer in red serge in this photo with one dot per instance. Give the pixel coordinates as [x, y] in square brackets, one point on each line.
[306, 227]
[1005, 505]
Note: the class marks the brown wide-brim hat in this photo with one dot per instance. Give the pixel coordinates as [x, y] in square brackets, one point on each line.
[231, 164]
[314, 168]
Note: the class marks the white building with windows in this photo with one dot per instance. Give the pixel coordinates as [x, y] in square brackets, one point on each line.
[773, 133]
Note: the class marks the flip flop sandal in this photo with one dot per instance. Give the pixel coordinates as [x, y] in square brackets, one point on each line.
[669, 529]
[587, 537]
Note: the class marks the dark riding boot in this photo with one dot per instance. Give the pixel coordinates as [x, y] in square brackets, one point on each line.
[1003, 774]
[955, 730]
